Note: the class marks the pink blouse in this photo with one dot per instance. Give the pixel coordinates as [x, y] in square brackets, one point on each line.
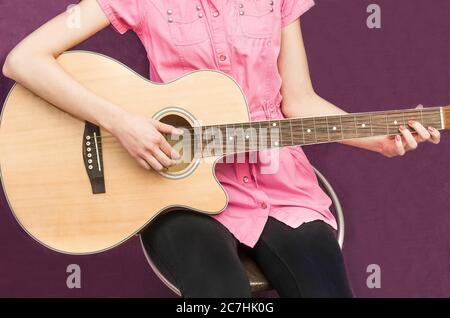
[242, 39]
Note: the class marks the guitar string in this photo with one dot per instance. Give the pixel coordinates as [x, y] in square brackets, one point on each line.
[295, 124]
[321, 134]
[346, 119]
[224, 151]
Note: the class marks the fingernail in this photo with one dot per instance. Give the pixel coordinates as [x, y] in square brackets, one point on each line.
[431, 129]
[179, 131]
[397, 137]
[411, 122]
[402, 127]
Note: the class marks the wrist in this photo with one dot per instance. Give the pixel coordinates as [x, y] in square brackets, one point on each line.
[112, 118]
[374, 144]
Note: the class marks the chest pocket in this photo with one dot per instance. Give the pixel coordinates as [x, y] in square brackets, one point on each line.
[186, 22]
[256, 18]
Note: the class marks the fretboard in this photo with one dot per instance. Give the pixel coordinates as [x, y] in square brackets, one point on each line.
[251, 136]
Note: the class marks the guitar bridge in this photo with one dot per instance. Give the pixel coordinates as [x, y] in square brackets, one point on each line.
[92, 157]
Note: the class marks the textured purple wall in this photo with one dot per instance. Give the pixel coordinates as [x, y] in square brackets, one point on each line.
[397, 210]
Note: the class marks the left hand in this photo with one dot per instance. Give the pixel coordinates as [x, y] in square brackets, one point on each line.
[398, 145]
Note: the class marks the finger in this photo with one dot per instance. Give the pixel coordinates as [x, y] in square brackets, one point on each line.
[153, 162]
[168, 150]
[399, 145]
[419, 106]
[421, 131]
[435, 135]
[168, 129]
[163, 159]
[144, 164]
[409, 138]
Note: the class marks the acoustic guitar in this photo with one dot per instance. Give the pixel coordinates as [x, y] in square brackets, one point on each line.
[74, 189]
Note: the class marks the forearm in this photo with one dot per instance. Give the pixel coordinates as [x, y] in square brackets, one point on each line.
[32, 63]
[42, 75]
[312, 105]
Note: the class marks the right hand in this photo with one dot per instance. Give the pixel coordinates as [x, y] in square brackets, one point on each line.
[142, 138]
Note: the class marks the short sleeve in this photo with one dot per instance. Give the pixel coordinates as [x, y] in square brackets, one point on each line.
[293, 9]
[123, 15]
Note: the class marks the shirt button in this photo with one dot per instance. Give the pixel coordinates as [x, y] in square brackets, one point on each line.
[215, 14]
[222, 57]
[245, 179]
[264, 205]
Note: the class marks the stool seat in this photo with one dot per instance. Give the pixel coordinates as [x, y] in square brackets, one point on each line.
[258, 281]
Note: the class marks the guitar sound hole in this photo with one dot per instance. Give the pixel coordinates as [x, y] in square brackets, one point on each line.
[184, 144]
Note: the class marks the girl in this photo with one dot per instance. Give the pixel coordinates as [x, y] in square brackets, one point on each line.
[282, 216]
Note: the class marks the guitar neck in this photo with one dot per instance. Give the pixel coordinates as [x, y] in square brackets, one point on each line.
[250, 136]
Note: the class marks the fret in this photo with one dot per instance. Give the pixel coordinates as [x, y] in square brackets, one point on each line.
[252, 141]
[274, 133]
[328, 128]
[371, 125]
[349, 130]
[253, 137]
[315, 129]
[334, 128]
[414, 115]
[433, 118]
[379, 124]
[394, 122]
[197, 138]
[298, 131]
[214, 138]
[363, 125]
[285, 133]
[321, 129]
[280, 133]
[309, 131]
[387, 123]
[292, 136]
[204, 141]
[264, 136]
[241, 140]
[243, 136]
[303, 131]
[230, 138]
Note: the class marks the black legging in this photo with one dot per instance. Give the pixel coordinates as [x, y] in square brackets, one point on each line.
[199, 255]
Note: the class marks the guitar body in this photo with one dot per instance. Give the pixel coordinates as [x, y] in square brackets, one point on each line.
[45, 176]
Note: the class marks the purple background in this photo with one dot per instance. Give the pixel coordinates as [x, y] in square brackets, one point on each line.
[397, 210]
